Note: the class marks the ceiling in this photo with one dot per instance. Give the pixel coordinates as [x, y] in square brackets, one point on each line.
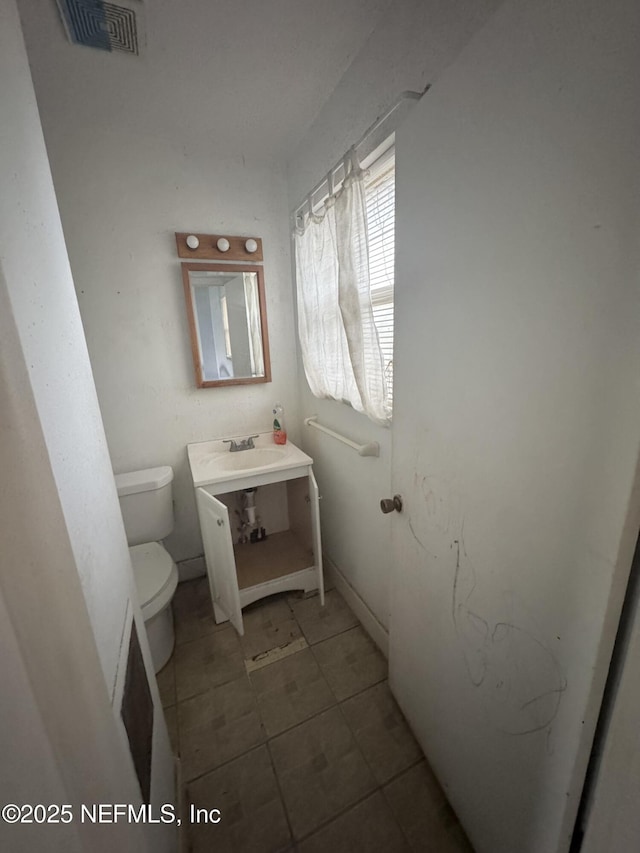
[246, 78]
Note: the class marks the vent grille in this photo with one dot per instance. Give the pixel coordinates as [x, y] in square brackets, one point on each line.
[106, 26]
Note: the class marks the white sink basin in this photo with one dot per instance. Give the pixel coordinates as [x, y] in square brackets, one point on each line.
[213, 464]
[248, 460]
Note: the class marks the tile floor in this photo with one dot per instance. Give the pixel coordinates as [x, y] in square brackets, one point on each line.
[308, 753]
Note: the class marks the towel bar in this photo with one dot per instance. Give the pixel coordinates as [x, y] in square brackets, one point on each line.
[370, 449]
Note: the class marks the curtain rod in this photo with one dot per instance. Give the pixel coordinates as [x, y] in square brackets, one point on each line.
[404, 96]
[379, 121]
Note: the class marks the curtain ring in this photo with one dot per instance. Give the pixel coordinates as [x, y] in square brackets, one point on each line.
[347, 164]
[353, 160]
[351, 166]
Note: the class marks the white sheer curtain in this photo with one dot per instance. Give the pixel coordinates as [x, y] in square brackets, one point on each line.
[338, 337]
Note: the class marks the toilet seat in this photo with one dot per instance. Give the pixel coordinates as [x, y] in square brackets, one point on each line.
[156, 577]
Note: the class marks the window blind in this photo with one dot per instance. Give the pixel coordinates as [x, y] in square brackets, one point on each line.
[380, 201]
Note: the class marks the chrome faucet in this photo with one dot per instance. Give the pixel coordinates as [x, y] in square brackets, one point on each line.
[242, 444]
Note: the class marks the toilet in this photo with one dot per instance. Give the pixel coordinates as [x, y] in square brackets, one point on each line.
[147, 511]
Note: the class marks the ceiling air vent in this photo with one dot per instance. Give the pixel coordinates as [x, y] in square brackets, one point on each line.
[106, 26]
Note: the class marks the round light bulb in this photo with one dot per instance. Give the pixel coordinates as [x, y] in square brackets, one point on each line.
[223, 244]
[251, 246]
[192, 241]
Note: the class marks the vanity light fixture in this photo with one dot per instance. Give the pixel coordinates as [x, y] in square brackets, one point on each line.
[219, 247]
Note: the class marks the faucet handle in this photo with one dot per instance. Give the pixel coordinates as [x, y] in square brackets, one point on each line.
[243, 444]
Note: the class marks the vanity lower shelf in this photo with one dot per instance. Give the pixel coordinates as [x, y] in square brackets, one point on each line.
[281, 554]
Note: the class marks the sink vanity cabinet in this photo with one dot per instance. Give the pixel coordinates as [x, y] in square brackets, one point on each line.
[286, 500]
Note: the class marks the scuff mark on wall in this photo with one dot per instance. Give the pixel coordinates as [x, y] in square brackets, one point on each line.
[415, 535]
[437, 509]
[419, 540]
[519, 676]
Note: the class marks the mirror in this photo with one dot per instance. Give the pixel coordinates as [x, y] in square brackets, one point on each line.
[228, 323]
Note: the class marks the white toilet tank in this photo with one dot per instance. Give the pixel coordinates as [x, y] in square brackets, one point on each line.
[146, 503]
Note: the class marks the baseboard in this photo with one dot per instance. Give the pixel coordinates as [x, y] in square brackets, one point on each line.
[374, 628]
[188, 570]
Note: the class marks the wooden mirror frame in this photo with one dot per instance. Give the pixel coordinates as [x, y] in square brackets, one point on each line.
[201, 382]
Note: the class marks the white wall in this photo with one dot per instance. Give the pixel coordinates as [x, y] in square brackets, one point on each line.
[519, 408]
[36, 269]
[122, 195]
[140, 191]
[410, 47]
[29, 772]
[65, 576]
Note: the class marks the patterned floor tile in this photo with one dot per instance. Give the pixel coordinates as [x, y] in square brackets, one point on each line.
[208, 662]
[320, 769]
[290, 691]
[193, 611]
[171, 719]
[167, 684]
[217, 726]
[369, 826]
[252, 818]
[268, 625]
[317, 622]
[381, 731]
[421, 809]
[350, 662]
[318, 772]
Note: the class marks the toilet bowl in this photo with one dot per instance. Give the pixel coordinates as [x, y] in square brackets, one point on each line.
[147, 511]
[156, 578]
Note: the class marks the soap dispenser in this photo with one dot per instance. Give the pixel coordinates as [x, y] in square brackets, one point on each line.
[279, 429]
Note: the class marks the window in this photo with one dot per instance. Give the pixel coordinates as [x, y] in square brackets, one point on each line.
[380, 200]
[344, 245]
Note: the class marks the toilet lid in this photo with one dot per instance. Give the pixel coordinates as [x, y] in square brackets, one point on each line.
[153, 570]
